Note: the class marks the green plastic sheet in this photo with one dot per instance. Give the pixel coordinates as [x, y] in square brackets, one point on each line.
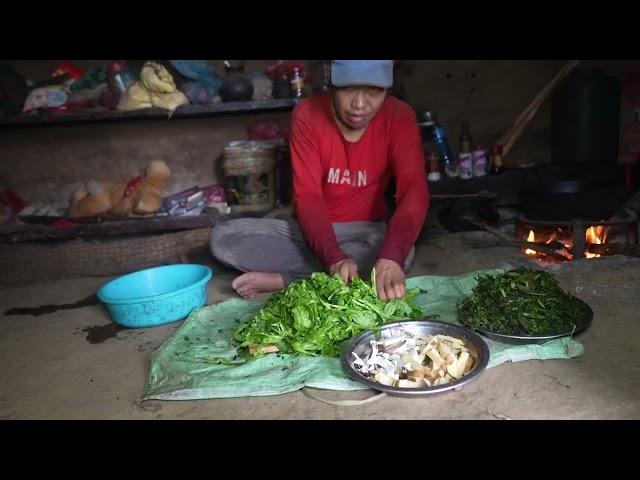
[198, 361]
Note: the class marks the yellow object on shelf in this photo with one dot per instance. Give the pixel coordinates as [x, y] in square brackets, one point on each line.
[156, 88]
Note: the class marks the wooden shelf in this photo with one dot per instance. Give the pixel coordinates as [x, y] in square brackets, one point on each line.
[100, 115]
[29, 233]
[102, 227]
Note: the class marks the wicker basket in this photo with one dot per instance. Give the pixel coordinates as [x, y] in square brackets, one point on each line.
[250, 174]
[28, 263]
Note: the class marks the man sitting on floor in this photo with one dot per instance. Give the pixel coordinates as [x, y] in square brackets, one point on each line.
[346, 145]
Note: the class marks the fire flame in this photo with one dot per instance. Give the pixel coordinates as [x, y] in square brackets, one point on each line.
[531, 238]
[593, 236]
[596, 236]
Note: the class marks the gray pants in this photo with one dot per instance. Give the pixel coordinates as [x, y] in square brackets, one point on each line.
[270, 245]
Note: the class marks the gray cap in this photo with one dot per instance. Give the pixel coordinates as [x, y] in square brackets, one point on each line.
[375, 73]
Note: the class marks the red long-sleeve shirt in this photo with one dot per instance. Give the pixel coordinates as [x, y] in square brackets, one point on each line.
[340, 181]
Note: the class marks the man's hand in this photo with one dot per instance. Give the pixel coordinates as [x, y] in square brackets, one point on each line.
[347, 269]
[389, 280]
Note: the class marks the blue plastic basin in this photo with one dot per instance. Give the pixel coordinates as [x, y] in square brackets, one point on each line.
[156, 296]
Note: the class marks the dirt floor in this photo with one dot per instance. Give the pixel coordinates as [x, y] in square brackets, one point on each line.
[74, 364]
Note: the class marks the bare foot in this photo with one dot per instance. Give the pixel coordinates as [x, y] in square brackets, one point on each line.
[249, 284]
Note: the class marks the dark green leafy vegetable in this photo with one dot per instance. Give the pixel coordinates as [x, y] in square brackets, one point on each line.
[523, 302]
[315, 316]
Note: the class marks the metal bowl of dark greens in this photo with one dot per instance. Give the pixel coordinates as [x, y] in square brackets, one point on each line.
[523, 306]
[581, 323]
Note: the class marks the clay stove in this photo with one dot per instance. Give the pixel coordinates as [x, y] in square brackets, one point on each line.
[578, 238]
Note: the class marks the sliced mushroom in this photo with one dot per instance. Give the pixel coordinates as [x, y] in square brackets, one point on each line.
[390, 367]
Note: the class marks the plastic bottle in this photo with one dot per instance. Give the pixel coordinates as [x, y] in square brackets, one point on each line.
[465, 138]
[433, 164]
[297, 84]
[479, 156]
[446, 155]
[497, 162]
[426, 130]
[465, 157]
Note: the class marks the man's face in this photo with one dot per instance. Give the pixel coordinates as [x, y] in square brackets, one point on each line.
[356, 106]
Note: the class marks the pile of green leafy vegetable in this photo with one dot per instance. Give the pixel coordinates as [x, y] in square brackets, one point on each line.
[523, 301]
[317, 315]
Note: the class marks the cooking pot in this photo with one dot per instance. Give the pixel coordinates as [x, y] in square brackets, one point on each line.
[459, 214]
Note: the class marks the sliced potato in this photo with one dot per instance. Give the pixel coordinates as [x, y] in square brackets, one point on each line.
[462, 361]
[409, 360]
[443, 349]
[432, 375]
[407, 384]
[451, 339]
[454, 371]
[450, 359]
[468, 366]
[473, 352]
[435, 356]
[384, 379]
[441, 381]
[416, 375]
[425, 349]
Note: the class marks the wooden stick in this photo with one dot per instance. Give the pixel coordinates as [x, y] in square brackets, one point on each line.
[535, 103]
[508, 139]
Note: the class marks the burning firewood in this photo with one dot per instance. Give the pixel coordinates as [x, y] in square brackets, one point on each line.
[550, 250]
[628, 249]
